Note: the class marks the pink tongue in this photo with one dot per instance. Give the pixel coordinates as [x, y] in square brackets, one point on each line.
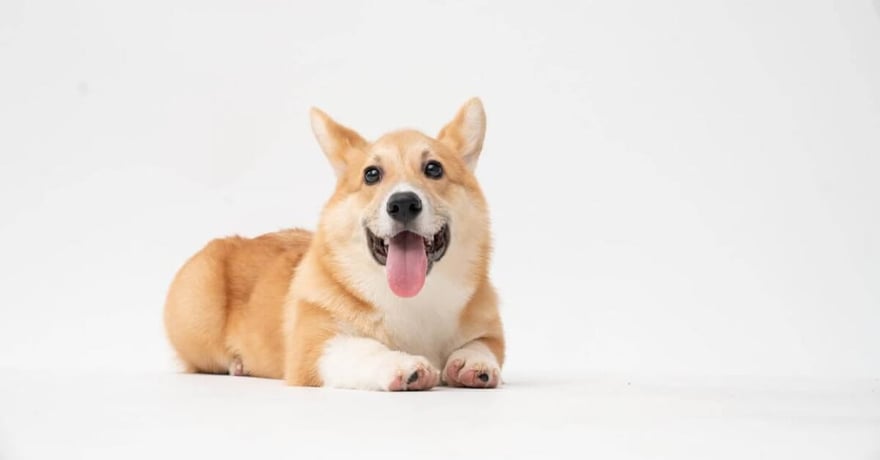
[407, 264]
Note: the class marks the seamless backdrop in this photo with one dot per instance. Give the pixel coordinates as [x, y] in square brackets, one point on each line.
[678, 188]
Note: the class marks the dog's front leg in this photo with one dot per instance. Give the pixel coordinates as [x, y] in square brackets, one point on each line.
[474, 365]
[366, 364]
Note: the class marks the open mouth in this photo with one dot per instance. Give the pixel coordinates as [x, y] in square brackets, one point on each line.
[408, 257]
[435, 246]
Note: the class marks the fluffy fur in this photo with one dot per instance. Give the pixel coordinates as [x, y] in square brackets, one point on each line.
[315, 308]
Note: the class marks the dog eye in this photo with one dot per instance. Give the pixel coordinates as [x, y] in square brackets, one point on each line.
[434, 170]
[372, 175]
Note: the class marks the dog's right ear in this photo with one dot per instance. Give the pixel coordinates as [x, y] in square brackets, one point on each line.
[338, 142]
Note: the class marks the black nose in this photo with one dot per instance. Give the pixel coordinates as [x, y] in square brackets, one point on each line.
[404, 206]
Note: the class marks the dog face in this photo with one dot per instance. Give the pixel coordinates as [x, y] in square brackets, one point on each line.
[406, 204]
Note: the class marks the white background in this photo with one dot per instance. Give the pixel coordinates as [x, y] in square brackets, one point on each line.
[681, 189]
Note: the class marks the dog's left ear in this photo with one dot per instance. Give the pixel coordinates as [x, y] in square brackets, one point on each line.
[466, 131]
[339, 143]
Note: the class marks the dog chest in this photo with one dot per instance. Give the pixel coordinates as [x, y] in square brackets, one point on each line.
[429, 324]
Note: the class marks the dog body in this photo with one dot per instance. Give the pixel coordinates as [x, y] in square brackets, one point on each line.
[390, 293]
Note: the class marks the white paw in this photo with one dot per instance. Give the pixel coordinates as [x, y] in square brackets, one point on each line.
[407, 372]
[473, 369]
[365, 364]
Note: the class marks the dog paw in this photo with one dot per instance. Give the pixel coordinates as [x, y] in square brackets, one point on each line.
[414, 373]
[470, 369]
[236, 367]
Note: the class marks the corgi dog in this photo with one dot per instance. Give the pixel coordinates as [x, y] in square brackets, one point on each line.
[390, 293]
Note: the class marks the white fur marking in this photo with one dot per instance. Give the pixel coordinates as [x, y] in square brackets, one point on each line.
[475, 351]
[364, 364]
[428, 323]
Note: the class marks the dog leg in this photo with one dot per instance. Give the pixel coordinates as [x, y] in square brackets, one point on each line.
[474, 366]
[366, 364]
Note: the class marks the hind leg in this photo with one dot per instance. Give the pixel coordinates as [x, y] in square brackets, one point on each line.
[196, 310]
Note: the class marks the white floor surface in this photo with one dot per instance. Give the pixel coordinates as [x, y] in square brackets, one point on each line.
[97, 416]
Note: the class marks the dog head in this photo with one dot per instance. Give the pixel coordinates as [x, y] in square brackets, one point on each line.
[406, 205]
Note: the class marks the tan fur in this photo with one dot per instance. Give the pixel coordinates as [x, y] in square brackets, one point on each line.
[273, 301]
[227, 301]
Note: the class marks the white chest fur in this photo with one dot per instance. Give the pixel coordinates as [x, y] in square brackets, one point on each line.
[427, 324]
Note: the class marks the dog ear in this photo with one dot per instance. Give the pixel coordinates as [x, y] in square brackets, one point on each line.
[466, 131]
[338, 142]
